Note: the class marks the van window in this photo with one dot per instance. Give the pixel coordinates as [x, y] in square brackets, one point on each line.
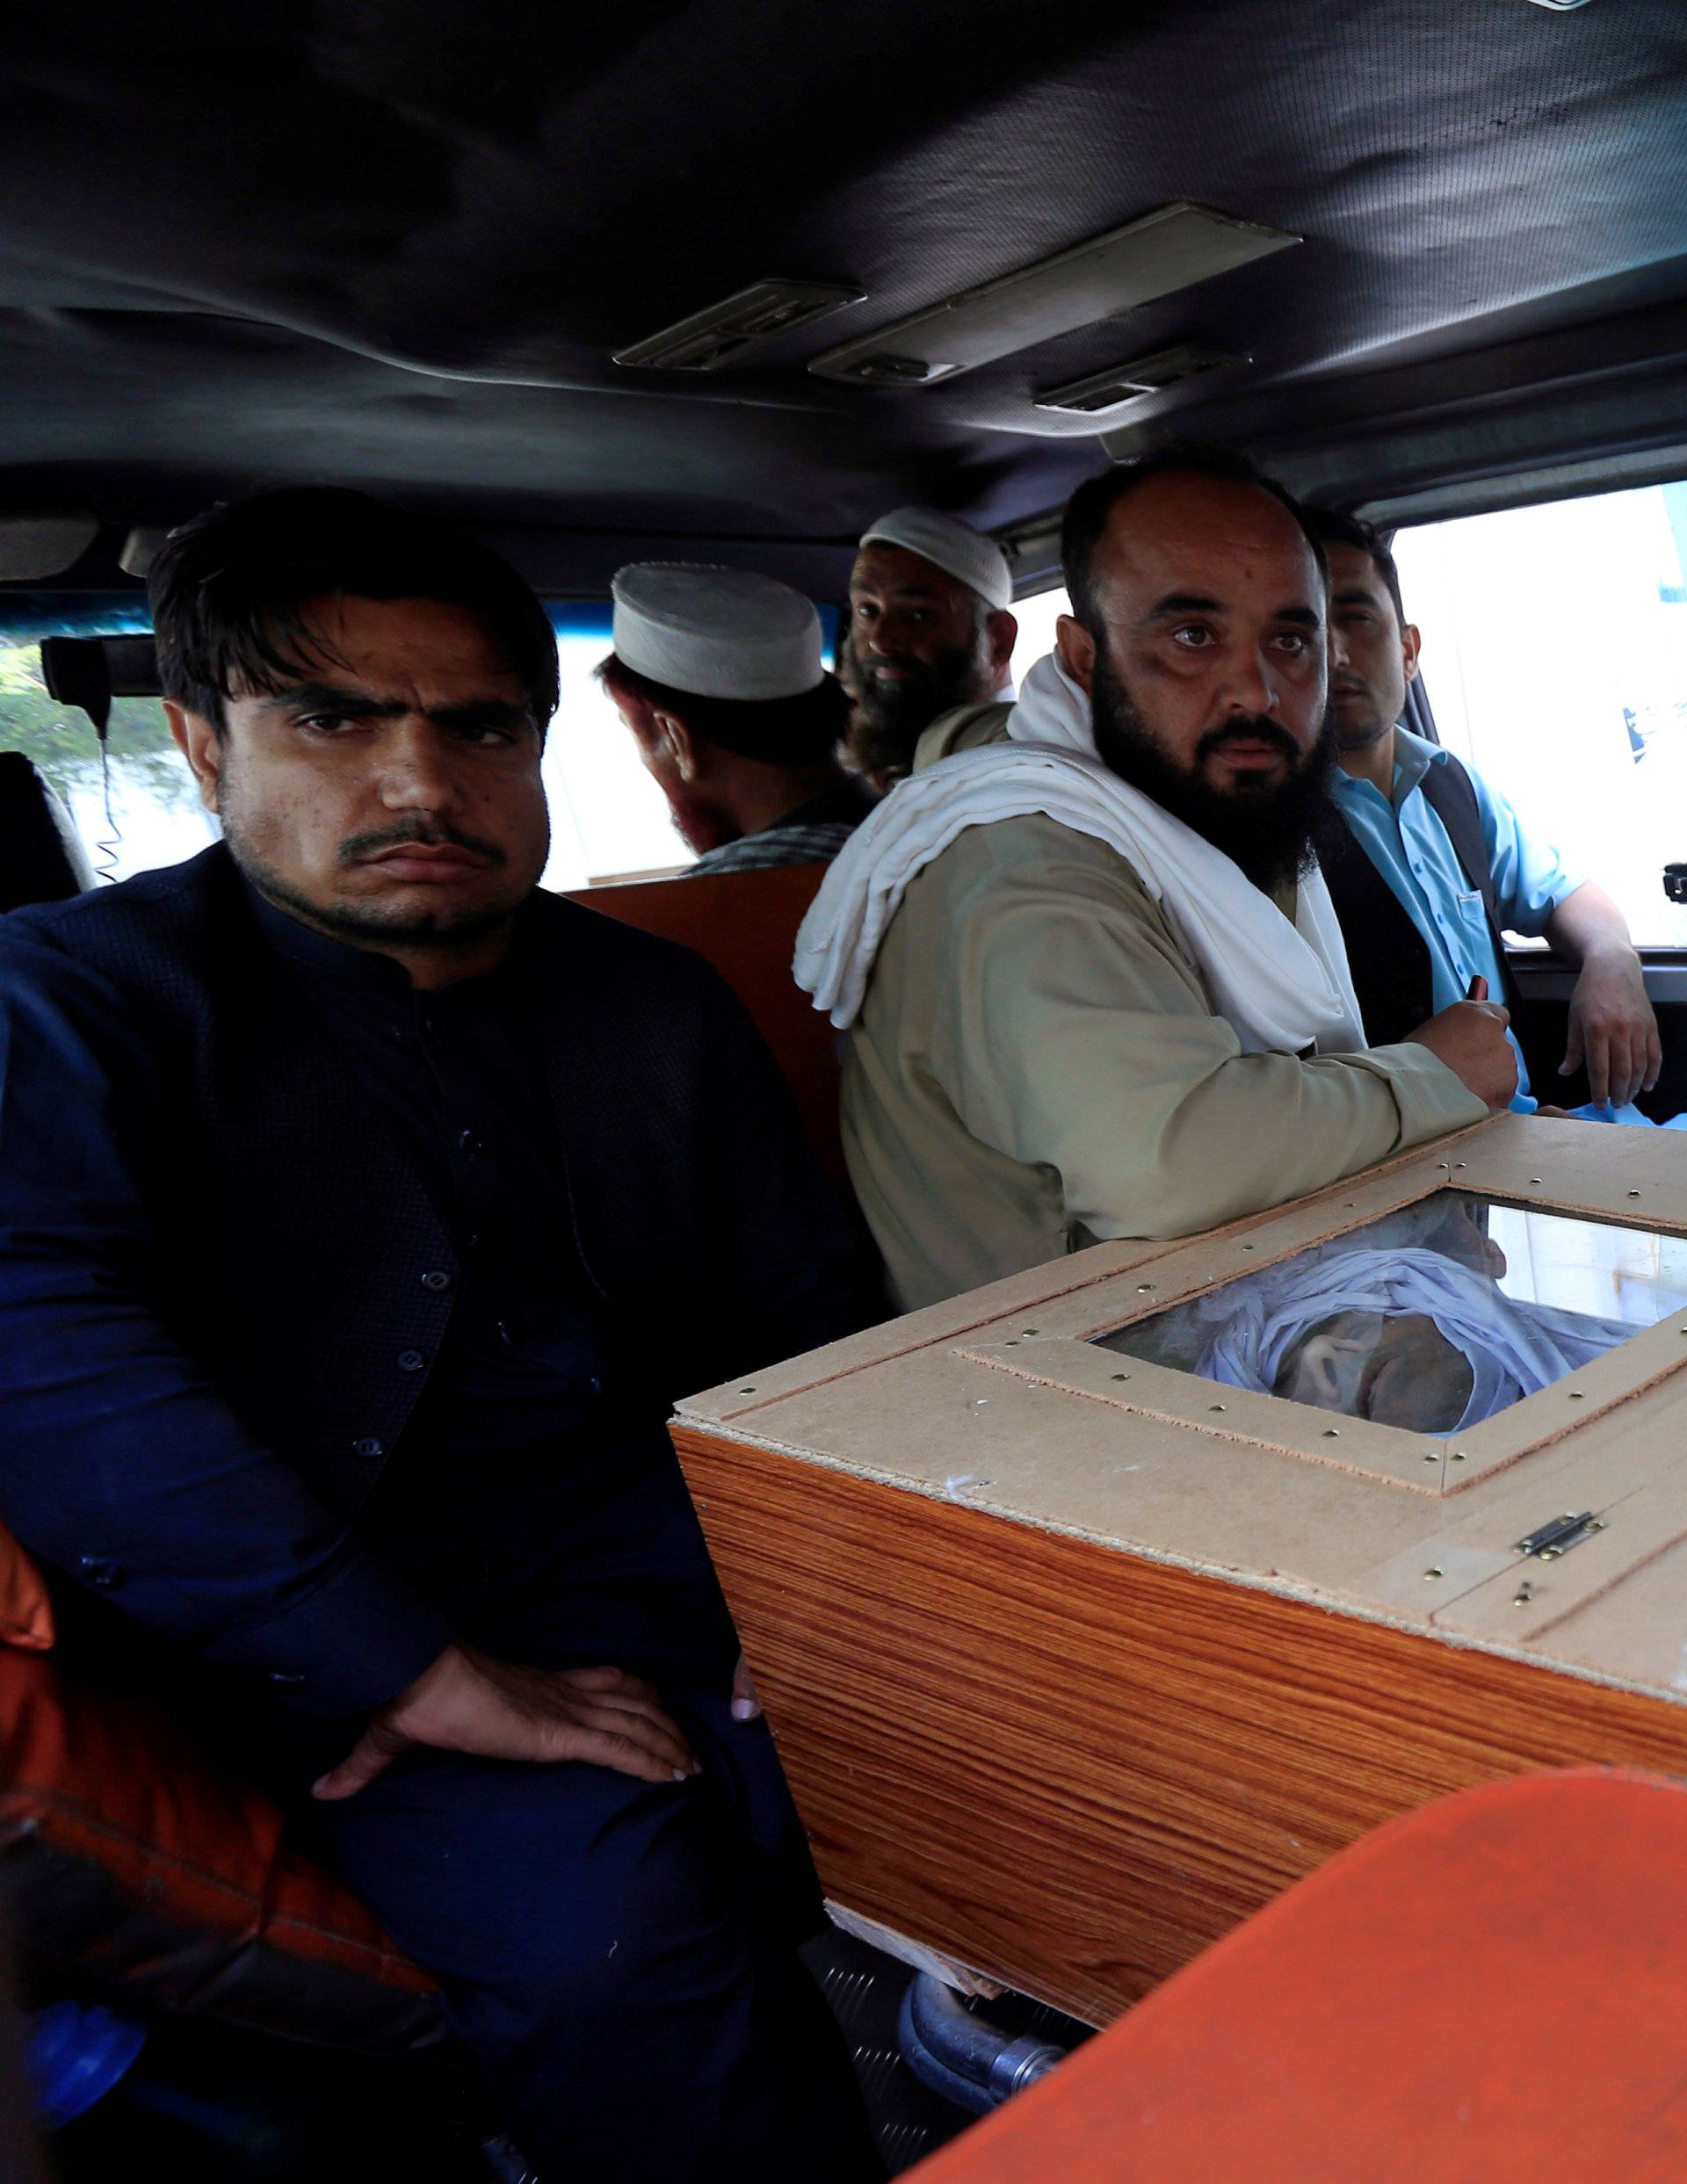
[1036, 617]
[609, 819]
[155, 814]
[1555, 660]
[607, 815]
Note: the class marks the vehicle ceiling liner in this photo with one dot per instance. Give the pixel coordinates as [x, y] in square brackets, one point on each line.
[396, 246]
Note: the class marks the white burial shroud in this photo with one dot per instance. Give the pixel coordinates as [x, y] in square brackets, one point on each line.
[1282, 988]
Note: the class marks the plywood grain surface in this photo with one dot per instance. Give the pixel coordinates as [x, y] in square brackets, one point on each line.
[1073, 1767]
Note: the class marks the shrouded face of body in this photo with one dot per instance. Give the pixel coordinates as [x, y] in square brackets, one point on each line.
[920, 643]
[1372, 657]
[1397, 1369]
[1207, 670]
[390, 798]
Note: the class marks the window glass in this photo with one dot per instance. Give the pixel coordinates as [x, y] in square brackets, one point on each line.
[1036, 617]
[608, 818]
[607, 815]
[1433, 1318]
[147, 811]
[1555, 658]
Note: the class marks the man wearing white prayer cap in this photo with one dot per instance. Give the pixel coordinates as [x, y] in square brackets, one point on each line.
[929, 631]
[717, 673]
[1093, 981]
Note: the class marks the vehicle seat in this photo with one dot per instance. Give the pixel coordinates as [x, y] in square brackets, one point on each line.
[139, 1875]
[40, 858]
[745, 924]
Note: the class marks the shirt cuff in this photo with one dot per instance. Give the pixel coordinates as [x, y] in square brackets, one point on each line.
[1432, 1099]
[358, 1639]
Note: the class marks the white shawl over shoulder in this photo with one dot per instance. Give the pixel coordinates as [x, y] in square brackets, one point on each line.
[1282, 988]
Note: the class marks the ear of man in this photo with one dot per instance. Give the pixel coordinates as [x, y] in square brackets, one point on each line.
[1000, 632]
[200, 743]
[1077, 650]
[681, 745]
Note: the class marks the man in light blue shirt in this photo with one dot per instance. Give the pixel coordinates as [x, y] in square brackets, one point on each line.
[1452, 855]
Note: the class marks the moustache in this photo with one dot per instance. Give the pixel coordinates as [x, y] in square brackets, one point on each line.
[432, 835]
[1256, 731]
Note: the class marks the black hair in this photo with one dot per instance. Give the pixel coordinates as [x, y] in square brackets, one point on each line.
[1331, 528]
[1095, 500]
[798, 731]
[229, 591]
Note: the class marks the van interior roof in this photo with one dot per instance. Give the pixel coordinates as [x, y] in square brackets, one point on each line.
[396, 245]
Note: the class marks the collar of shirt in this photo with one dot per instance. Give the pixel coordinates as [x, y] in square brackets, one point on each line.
[1414, 755]
[363, 976]
[846, 803]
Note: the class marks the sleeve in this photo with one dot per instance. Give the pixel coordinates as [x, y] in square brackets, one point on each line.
[119, 1464]
[1078, 1038]
[1530, 879]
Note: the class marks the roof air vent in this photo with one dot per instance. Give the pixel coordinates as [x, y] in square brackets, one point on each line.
[1165, 251]
[722, 333]
[1104, 391]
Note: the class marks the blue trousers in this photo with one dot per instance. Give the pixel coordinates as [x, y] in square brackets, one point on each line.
[619, 1956]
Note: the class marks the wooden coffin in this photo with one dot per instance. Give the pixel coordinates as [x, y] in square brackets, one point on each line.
[1076, 1660]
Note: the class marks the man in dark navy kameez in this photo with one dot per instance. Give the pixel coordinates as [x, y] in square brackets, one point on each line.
[362, 1211]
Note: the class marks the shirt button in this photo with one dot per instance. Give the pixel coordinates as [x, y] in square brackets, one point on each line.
[369, 1446]
[410, 1361]
[98, 1570]
[435, 1280]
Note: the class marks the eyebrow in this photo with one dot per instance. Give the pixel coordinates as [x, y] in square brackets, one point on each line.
[1356, 598]
[1177, 602]
[357, 704]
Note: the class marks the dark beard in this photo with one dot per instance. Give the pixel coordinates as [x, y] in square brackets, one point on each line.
[1273, 833]
[890, 717]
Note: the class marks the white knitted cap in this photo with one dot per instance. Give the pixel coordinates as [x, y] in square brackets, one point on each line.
[955, 547]
[718, 632]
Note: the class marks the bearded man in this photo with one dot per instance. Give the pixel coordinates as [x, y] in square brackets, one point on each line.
[1093, 981]
[928, 632]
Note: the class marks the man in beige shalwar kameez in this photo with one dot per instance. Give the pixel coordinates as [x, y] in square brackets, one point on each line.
[1109, 999]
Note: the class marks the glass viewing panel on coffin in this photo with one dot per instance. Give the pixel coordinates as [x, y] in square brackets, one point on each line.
[1434, 1318]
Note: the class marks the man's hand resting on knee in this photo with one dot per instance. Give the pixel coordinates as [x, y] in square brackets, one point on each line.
[499, 1710]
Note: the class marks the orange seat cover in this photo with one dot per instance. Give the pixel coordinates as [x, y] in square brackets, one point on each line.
[1491, 1989]
[113, 1782]
[26, 1608]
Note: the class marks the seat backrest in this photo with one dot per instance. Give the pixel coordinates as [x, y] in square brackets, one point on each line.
[745, 924]
[40, 858]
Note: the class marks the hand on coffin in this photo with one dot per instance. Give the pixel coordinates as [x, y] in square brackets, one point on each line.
[1470, 1038]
